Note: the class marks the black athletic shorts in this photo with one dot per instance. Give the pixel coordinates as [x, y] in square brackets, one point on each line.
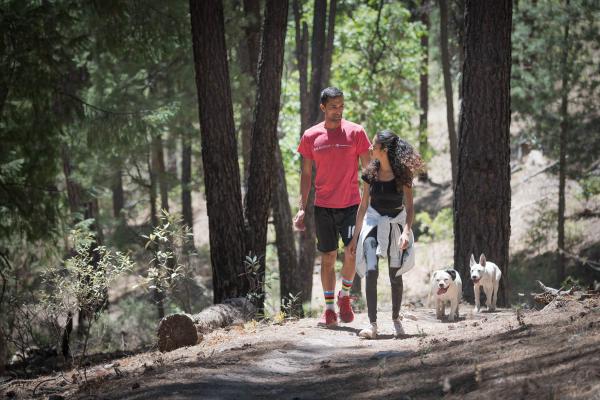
[331, 222]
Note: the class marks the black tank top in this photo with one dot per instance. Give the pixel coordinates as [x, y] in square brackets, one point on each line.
[385, 198]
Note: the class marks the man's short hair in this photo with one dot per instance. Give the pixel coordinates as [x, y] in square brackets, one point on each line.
[330, 93]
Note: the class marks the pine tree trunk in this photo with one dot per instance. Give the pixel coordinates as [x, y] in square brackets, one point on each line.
[249, 49]
[328, 55]
[290, 275]
[448, 87]
[187, 211]
[118, 197]
[317, 53]
[564, 128]
[264, 132]
[307, 239]
[458, 16]
[482, 190]
[171, 149]
[158, 165]
[424, 84]
[152, 189]
[219, 150]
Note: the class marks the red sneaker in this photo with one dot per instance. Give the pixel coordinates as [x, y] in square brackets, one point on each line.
[346, 312]
[328, 319]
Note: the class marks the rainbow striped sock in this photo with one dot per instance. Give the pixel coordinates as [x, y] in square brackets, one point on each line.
[346, 286]
[329, 297]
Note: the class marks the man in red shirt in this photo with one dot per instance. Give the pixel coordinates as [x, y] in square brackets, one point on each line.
[334, 146]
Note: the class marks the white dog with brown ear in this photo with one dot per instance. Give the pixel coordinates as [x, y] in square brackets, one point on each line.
[486, 274]
[446, 285]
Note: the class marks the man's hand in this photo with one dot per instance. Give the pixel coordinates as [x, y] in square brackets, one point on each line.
[299, 221]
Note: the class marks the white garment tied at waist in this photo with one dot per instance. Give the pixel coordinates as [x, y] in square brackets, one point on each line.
[403, 259]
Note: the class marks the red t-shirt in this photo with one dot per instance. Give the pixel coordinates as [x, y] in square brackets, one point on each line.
[335, 153]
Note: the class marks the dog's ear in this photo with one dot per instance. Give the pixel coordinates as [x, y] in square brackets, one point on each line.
[452, 273]
[472, 261]
[482, 260]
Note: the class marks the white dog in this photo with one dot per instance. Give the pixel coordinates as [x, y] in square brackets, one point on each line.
[486, 274]
[446, 285]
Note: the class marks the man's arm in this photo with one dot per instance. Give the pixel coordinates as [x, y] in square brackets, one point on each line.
[305, 183]
[365, 159]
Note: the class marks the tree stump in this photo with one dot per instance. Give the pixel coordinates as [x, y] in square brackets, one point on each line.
[180, 330]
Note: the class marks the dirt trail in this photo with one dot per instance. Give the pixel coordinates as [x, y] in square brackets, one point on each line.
[553, 353]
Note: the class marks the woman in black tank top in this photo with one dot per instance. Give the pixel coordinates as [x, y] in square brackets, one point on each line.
[387, 188]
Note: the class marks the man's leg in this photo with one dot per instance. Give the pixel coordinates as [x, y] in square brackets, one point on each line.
[348, 272]
[345, 224]
[328, 277]
[327, 244]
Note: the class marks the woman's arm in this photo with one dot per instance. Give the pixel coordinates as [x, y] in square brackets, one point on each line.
[410, 216]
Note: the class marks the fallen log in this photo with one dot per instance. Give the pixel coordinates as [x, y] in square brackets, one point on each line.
[552, 291]
[180, 330]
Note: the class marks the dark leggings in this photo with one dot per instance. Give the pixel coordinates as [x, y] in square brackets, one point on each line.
[371, 290]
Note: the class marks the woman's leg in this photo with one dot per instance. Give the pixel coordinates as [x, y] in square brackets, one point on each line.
[397, 288]
[370, 248]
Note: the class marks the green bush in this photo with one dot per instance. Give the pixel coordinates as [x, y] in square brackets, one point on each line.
[436, 229]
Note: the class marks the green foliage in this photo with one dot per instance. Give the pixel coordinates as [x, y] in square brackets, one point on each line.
[438, 228]
[538, 73]
[290, 305]
[170, 268]
[376, 63]
[590, 187]
[80, 284]
[252, 274]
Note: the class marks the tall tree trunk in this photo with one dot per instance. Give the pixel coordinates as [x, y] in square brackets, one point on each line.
[564, 127]
[458, 17]
[448, 87]
[249, 49]
[219, 150]
[482, 190]
[424, 84]
[301, 52]
[158, 165]
[264, 132]
[307, 246]
[328, 55]
[289, 274]
[317, 53]
[187, 211]
[155, 293]
[118, 196]
[171, 149]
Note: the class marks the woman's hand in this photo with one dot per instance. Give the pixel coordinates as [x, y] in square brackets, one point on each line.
[403, 241]
[352, 246]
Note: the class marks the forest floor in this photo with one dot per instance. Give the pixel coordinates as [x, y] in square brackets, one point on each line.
[549, 354]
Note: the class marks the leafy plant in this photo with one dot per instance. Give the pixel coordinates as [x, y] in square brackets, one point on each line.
[81, 282]
[170, 268]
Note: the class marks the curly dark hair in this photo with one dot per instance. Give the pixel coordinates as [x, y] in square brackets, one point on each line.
[404, 159]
